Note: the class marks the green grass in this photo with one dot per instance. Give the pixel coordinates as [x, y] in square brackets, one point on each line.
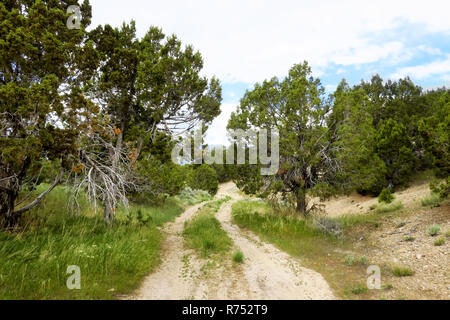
[434, 230]
[113, 260]
[359, 289]
[157, 215]
[238, 257]
[432, 201]
[204, 232]
[439, 242]
[191, 197]
[351, 260]
[391, 207]
[409, 239]
[402, 272]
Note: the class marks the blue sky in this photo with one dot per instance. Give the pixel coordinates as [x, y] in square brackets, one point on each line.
[247, 41]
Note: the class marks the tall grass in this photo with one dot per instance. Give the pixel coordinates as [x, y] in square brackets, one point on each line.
[204, 232]
[113, 260]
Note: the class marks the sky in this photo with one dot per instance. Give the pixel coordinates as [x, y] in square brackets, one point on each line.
[247, 41]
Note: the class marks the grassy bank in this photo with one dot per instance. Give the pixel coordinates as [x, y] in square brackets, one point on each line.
[112, 260]
[322, 251]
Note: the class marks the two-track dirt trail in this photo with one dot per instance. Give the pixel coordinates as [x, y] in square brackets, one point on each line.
[267, 272]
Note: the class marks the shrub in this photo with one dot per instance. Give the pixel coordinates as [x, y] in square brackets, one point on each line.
[432, 201]
[441, 188]
[439, 242]
[385, 196]
[190, 196]
[434, 230]
[410, 239]
[238, 257]
[205, 178]
[402, 272]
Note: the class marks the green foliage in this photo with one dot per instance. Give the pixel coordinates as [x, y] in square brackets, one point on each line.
[393, 146]
[434, 230]
[43, 64]
[350, 260]
[203, 177]
[295, 106]
[391, 207]
[34, 261]
[402, 272]
[238, 257]
[439, 242]
[189, 196]
[441, 188]
[386, 196]
[159, 178]
[432, 201]
[205, 234]
[359, 289]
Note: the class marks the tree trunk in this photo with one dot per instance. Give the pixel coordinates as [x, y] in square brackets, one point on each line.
[108, 213]
[301, 201]
[7, 217]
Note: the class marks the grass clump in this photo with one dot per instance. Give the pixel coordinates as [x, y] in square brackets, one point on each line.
[409, 239]
[351, 260]
[402, 272]
[205, 234]
[359, 289]
[432, 201]
[434, 230]
[391, 207]
[439, 242]
[238, 257]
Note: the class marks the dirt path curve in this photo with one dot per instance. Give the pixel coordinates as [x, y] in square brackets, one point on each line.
[267, 273]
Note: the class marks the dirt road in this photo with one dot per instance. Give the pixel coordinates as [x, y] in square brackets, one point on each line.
[267, 272]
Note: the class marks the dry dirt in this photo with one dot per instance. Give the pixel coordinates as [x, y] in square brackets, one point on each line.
[356, 203]
[387, 246]
[266, 274]
[430, 263]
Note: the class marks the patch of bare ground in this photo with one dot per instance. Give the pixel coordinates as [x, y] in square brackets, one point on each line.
[357, 204]
[405, 242]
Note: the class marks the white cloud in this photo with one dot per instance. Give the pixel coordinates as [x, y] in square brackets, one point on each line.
[216, 134]
[441, 67]
[252, 40]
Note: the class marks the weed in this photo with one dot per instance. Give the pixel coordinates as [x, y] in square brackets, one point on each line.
[439, 242]
[434, 230]
[359, 289]
[402, 272]
[238, 257]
